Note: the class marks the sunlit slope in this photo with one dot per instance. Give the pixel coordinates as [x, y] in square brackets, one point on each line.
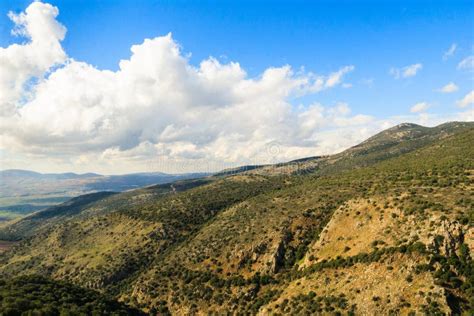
[316, 242]
[390, 143]
[379, 228]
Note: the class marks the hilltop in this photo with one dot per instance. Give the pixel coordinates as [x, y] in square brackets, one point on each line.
[384, 227]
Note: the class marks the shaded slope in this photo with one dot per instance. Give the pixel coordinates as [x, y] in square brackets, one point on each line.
[35, 295]
[217, 269]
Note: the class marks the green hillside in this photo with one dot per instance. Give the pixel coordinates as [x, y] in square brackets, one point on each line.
[384, 227]
[35, 295]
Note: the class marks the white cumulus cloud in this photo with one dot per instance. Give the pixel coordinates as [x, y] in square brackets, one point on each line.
[21, 63]
[159, 111]
[157, 105]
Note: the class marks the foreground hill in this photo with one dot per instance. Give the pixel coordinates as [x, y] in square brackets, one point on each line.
[382, 228]
[35, 295]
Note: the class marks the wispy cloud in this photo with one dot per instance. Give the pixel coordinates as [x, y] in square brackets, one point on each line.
[405, 72]
[467, 63]
[467, 100]
[419, 107]
[449, 88]
[336, 77]
[369, 82]
[450, 52]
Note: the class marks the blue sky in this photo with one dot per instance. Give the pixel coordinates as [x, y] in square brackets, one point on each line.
[321, 36]
[318, 35]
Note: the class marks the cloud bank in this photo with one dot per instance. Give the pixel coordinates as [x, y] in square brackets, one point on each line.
[156, 106]
[158, 111]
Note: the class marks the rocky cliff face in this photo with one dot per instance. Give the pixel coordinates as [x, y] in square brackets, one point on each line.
[449, 237]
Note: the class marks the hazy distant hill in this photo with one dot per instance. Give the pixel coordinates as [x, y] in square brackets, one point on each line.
[26, 174]
[23, 191]
[383, 228]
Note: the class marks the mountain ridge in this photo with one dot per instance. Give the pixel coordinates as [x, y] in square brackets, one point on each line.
[267, 242]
